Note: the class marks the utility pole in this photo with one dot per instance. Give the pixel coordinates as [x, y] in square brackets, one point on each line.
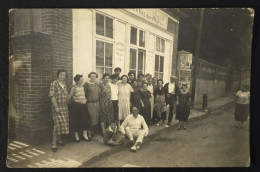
[196, 57]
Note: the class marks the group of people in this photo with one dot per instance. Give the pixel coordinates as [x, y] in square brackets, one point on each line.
[126, 105]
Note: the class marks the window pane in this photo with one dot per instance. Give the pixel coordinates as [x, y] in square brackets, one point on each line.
[156, 64]
[157, 44]
[132, 59]
[140, 60]
[99, 53]
[109, 27]
[142, 39]
[133, 37]
[161, 63]
[160, 75]
[100, 71]
[108, 54]
[108, 70]
[99, 24]
[162, 46]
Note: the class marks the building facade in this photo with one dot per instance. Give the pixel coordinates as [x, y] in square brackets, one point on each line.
[137, 40]
[80, 41]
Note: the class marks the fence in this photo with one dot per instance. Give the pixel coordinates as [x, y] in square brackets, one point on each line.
[211, 80]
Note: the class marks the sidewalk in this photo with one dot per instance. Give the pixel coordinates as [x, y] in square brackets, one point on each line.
[22, 155]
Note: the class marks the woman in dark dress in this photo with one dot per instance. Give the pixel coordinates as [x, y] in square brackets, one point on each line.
[146, 95]
[183, 106]
[242, 106]
[136, 99]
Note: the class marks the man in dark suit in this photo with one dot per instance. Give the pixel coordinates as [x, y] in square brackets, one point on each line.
[171, 91]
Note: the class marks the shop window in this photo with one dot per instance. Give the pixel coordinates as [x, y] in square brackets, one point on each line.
[139, 35]
[141, 38]
[158, 71]
[133, 37]
[104, 57]
[104, 26]
[137, 60]
[160, 45]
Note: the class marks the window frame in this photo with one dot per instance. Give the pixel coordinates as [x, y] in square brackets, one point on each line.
[105, 40]
[104, 62]
[138, 49]
[157, 73]
[138, 37]
[160, 40]
[113, 24]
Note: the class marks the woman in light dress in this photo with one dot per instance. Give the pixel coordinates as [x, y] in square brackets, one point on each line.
[124, 95]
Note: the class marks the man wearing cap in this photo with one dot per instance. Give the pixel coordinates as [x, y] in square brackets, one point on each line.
[171, 90]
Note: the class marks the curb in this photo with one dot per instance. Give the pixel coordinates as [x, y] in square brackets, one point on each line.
[128, 144]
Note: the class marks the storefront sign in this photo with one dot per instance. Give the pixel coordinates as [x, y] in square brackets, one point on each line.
[151, 15]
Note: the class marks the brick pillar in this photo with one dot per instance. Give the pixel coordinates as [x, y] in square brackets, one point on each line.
[31, 52]
[36, 58]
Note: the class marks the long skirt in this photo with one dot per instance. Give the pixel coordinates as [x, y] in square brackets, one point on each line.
[115, 109]
[241, 112]
[93, 109]
[79, 117]
[160, 105]
[106, 112]
[182, 112]
[123, 107]
[146, 111]
[61, 120]
[152, 105]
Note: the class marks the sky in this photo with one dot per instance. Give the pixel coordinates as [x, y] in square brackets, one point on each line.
[226, 35]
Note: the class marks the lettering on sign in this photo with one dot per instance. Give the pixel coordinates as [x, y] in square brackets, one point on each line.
[151, 15]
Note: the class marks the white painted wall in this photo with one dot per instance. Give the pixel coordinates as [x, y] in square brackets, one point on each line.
[82, 42]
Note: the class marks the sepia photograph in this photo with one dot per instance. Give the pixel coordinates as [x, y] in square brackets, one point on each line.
[129, 87]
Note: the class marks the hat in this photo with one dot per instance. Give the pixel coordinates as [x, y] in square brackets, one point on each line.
[174, 77]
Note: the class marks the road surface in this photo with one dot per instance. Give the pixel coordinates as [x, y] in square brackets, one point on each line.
[212, 141]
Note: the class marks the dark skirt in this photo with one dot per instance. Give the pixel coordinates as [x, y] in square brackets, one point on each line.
[182, 112]
[79, 117]
[146, 111]
[115, 109]
[241, 112]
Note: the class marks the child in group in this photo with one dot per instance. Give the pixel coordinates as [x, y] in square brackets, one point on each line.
[113, 137]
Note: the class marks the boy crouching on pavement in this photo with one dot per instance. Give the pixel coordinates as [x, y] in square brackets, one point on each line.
[113, 137]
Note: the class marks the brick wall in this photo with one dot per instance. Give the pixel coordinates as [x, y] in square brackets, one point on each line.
[58, 24]
[37, 57]
[31, 52]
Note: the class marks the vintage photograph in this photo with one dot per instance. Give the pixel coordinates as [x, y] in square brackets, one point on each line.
[130, 87]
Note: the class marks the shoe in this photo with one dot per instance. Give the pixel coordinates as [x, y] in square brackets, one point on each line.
[185, 128]
[76, 140]
[167, 126]
[157, 124]
[138, 147]
[133, 148]
[86, 139]
[54, 149]
[60, 143]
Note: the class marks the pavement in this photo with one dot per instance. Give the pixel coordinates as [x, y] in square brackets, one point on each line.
[23, 155]
[211, 141]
